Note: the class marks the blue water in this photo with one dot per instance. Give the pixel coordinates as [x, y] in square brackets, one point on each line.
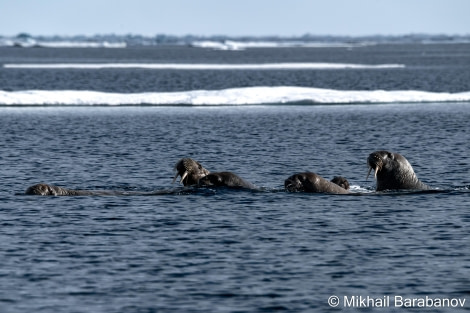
[217, 250]
[429, 67]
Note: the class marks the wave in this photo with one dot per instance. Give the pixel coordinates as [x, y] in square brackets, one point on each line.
[75, 44]
[233, 96]
[32, 43]
[195, 66]
[242, 45]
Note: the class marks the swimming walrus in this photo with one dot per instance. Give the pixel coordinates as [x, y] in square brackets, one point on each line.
[311, 182]
[393, 171]
[51, 190]
[194, 174]
[341, 181]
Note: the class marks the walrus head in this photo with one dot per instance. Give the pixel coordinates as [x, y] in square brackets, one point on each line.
[294, 183]
[377, 160]
[311, 182]
[393, 171]
[44, 190]
[190, 171]
[341, 181]
[300, 182]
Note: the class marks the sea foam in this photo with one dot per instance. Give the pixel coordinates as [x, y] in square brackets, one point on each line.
[233, 96]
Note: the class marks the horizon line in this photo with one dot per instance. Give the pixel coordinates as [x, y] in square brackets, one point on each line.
[411, 34]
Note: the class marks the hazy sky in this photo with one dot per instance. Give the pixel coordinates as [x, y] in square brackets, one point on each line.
[234, 17]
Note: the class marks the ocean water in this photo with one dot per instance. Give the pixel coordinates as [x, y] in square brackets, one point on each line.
[178, 249]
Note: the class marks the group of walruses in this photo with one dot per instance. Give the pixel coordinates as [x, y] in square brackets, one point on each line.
[392, 172]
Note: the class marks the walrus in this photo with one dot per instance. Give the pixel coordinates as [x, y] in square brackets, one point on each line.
[393, 171]
[51, 190]
[43, 189]
[225, 179]
[190, 171]
[341, 181]
[194, 174]
[311, 182]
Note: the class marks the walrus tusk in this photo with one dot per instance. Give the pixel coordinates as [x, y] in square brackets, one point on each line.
[183, 176]
[174, 178]
[375, 172]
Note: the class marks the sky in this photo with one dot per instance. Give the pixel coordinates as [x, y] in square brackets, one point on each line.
[234, 17]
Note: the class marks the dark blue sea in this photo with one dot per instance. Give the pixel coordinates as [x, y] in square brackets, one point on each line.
[120, 118]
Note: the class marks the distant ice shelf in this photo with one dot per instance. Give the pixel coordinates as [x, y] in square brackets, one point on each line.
[196, 66]
[225, 97]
